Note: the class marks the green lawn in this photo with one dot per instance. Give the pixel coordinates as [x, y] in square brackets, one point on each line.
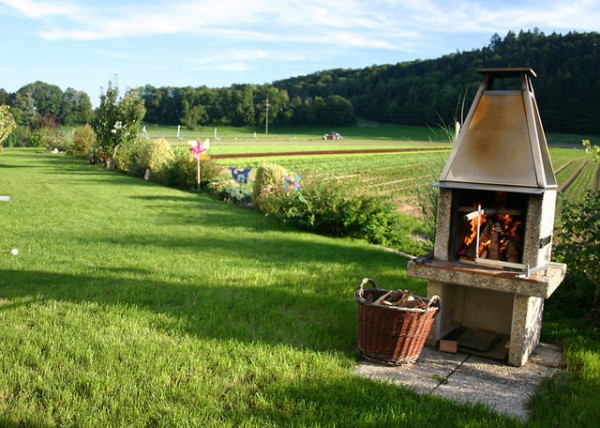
[131, 304]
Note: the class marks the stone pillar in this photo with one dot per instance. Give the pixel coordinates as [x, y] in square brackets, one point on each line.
[526, 328]
[539, 228]
[442, 228]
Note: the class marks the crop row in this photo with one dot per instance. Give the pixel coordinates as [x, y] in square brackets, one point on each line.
[584, 180]
[401, 176]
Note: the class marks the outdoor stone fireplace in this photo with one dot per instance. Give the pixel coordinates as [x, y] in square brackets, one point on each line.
[491, 263]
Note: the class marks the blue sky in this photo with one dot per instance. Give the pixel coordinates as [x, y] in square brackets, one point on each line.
[83, 43]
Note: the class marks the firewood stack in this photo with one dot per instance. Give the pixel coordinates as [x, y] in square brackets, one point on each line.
[399, 298]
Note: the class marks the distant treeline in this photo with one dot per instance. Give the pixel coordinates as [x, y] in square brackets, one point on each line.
[419, 92]
[426, 92]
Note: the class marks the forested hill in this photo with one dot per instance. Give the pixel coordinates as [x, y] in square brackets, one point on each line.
[426, 92]
[423, 93]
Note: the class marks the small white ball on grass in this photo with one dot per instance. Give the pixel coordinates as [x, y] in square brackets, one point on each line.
[14, 251]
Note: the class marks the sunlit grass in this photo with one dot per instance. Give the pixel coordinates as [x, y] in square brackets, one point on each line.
[131, 304]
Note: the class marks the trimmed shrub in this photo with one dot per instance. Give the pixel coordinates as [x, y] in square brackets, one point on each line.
[268, 176]
[183, 170]
[127, 157]
[155, 157]
[83, 141]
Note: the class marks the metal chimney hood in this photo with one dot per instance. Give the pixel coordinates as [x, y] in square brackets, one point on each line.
[502, 145]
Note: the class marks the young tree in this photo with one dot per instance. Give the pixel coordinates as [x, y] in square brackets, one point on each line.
[29, 113]
[118, 120]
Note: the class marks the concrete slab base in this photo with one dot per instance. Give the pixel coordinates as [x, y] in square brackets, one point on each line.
[466, 378]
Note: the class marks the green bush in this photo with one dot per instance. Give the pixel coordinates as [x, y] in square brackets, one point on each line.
[328, 207]
[127, 157]
[155, 157]
[50, 138]
[183, 170]
[268, 176]
[231, 192]
[578, 245]
[19, 137]
[36, 139]
[83, 141]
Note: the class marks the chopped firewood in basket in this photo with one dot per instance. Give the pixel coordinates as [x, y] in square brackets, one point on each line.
[400, 299]
[382, 298]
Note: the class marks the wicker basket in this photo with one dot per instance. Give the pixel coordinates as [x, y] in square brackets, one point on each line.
[392, 335]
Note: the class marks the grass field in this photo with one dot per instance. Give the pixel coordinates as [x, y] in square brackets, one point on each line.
[130, 304]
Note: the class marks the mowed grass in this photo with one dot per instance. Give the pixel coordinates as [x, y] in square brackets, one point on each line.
[130, 304]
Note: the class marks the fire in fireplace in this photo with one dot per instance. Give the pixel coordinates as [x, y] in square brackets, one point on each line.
[489, 226]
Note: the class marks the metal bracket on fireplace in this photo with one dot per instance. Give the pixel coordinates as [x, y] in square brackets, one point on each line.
[545, 241]
[531, 271]
[524, 268]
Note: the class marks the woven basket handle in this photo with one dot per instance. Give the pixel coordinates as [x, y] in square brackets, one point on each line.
[434, 301]
[363, 283]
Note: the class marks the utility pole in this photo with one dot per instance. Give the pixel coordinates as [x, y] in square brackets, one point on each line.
[267, 116]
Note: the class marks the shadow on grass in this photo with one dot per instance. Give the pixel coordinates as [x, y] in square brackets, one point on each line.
[377, 405]
[270, 315]
[303, 309]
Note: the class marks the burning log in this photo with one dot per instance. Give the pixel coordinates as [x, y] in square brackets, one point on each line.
[512, 251]
[484, 240]
[496, 236]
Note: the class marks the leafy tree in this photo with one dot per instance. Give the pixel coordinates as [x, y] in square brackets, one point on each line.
[192, 116]
[76, 107]
[29, 114]
[118, 119]
[5, 97]
[7, 124]
[45, 97]
[340, 111]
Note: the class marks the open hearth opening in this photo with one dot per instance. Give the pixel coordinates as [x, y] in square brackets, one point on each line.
[488, 225]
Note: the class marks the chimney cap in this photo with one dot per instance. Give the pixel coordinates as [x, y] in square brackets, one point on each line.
[508, 71]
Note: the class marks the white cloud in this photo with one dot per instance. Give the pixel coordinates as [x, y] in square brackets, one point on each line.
[387, 25]
[42, 10]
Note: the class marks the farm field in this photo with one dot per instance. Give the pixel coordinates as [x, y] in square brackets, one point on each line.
[400, 176]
